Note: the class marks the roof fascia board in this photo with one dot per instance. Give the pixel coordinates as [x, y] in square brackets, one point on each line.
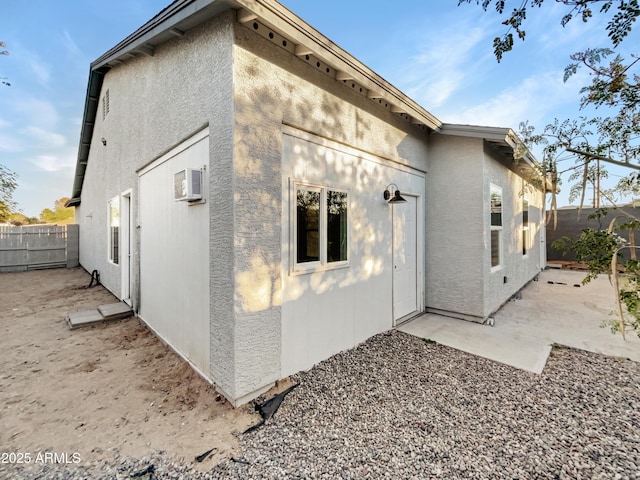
[92, 99]
[272, 13]
[301, 33]
[498, 134]
[493, 134]
[162, 24]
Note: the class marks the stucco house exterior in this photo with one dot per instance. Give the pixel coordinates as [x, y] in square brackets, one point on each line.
[230, 187]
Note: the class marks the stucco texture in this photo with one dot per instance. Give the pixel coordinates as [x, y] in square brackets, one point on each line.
[154, 103]
[254, 96]
[460, 280]
[274, 311]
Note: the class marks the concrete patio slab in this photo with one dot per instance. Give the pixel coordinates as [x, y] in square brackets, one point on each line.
[555, 309]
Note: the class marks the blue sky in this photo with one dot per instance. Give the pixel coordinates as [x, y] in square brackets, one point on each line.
[436, 52]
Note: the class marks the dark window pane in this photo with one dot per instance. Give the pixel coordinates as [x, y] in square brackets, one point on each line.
[114, 224]
[308, 225]
[525, 226]
[496, 209]
[495, 247]
[336, 226]
[115, 254]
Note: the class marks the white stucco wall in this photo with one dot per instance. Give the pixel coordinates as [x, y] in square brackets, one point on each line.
[272, 88]
[265, 323]
[155, 103]
[329, 310]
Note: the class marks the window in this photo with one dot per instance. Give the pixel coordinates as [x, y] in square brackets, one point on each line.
[526, 236]
[336, 226]
[114, 230]
[308, 225]
[496, 226]
[320, 228]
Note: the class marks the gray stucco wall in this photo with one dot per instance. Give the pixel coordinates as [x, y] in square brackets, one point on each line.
[460, 281]
[455, 226]
[155, 103]
[516, 269]
[272, 88]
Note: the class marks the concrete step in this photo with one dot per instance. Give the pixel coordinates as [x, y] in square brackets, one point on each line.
[104, 313]
[115, 311]
[84, 318]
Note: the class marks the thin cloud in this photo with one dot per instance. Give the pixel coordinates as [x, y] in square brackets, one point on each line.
[41, 113]
[71, 47]
[441, 67]
[11, 144]
[54, 163]
[44, 138]
[41, 71]
[535, 98]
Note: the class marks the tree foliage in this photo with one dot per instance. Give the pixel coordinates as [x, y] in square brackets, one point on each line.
[18, 219]
[3, 80]
[622, 16]
[8, 184]
[59, 214]
[614, 136]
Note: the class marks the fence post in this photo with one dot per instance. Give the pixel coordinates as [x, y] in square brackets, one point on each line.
[73, 242]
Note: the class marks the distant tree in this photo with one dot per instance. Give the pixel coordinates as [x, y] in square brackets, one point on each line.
[59, 214]
[8, 184]
[18, 219]
[4, 213]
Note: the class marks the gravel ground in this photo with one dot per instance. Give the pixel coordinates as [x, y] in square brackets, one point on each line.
[400, 407]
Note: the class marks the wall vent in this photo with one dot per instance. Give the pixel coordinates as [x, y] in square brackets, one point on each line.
[105, 105]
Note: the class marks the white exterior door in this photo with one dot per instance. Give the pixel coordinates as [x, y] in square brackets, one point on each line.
[405, 258]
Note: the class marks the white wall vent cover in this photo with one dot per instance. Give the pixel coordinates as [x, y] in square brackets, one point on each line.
[187, 184]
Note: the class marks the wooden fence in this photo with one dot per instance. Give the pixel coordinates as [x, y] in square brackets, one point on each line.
[38, 247]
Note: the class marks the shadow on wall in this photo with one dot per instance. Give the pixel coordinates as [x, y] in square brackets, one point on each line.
[261, 107]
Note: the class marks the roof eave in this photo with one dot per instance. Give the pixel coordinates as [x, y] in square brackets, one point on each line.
[502, 136]
[278, 17]
[182, 15]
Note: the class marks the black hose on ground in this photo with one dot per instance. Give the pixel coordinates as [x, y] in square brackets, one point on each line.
[95, 275]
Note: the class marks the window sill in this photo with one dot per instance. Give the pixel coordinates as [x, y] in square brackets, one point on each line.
[317, 268]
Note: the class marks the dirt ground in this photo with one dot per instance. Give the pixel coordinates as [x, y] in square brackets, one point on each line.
[99, 391]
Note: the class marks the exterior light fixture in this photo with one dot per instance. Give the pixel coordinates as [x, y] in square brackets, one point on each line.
[392, 194]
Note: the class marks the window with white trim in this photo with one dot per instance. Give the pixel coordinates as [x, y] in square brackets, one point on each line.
[495, 201]
[526, 236]
[114, 230]
[320, 228]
